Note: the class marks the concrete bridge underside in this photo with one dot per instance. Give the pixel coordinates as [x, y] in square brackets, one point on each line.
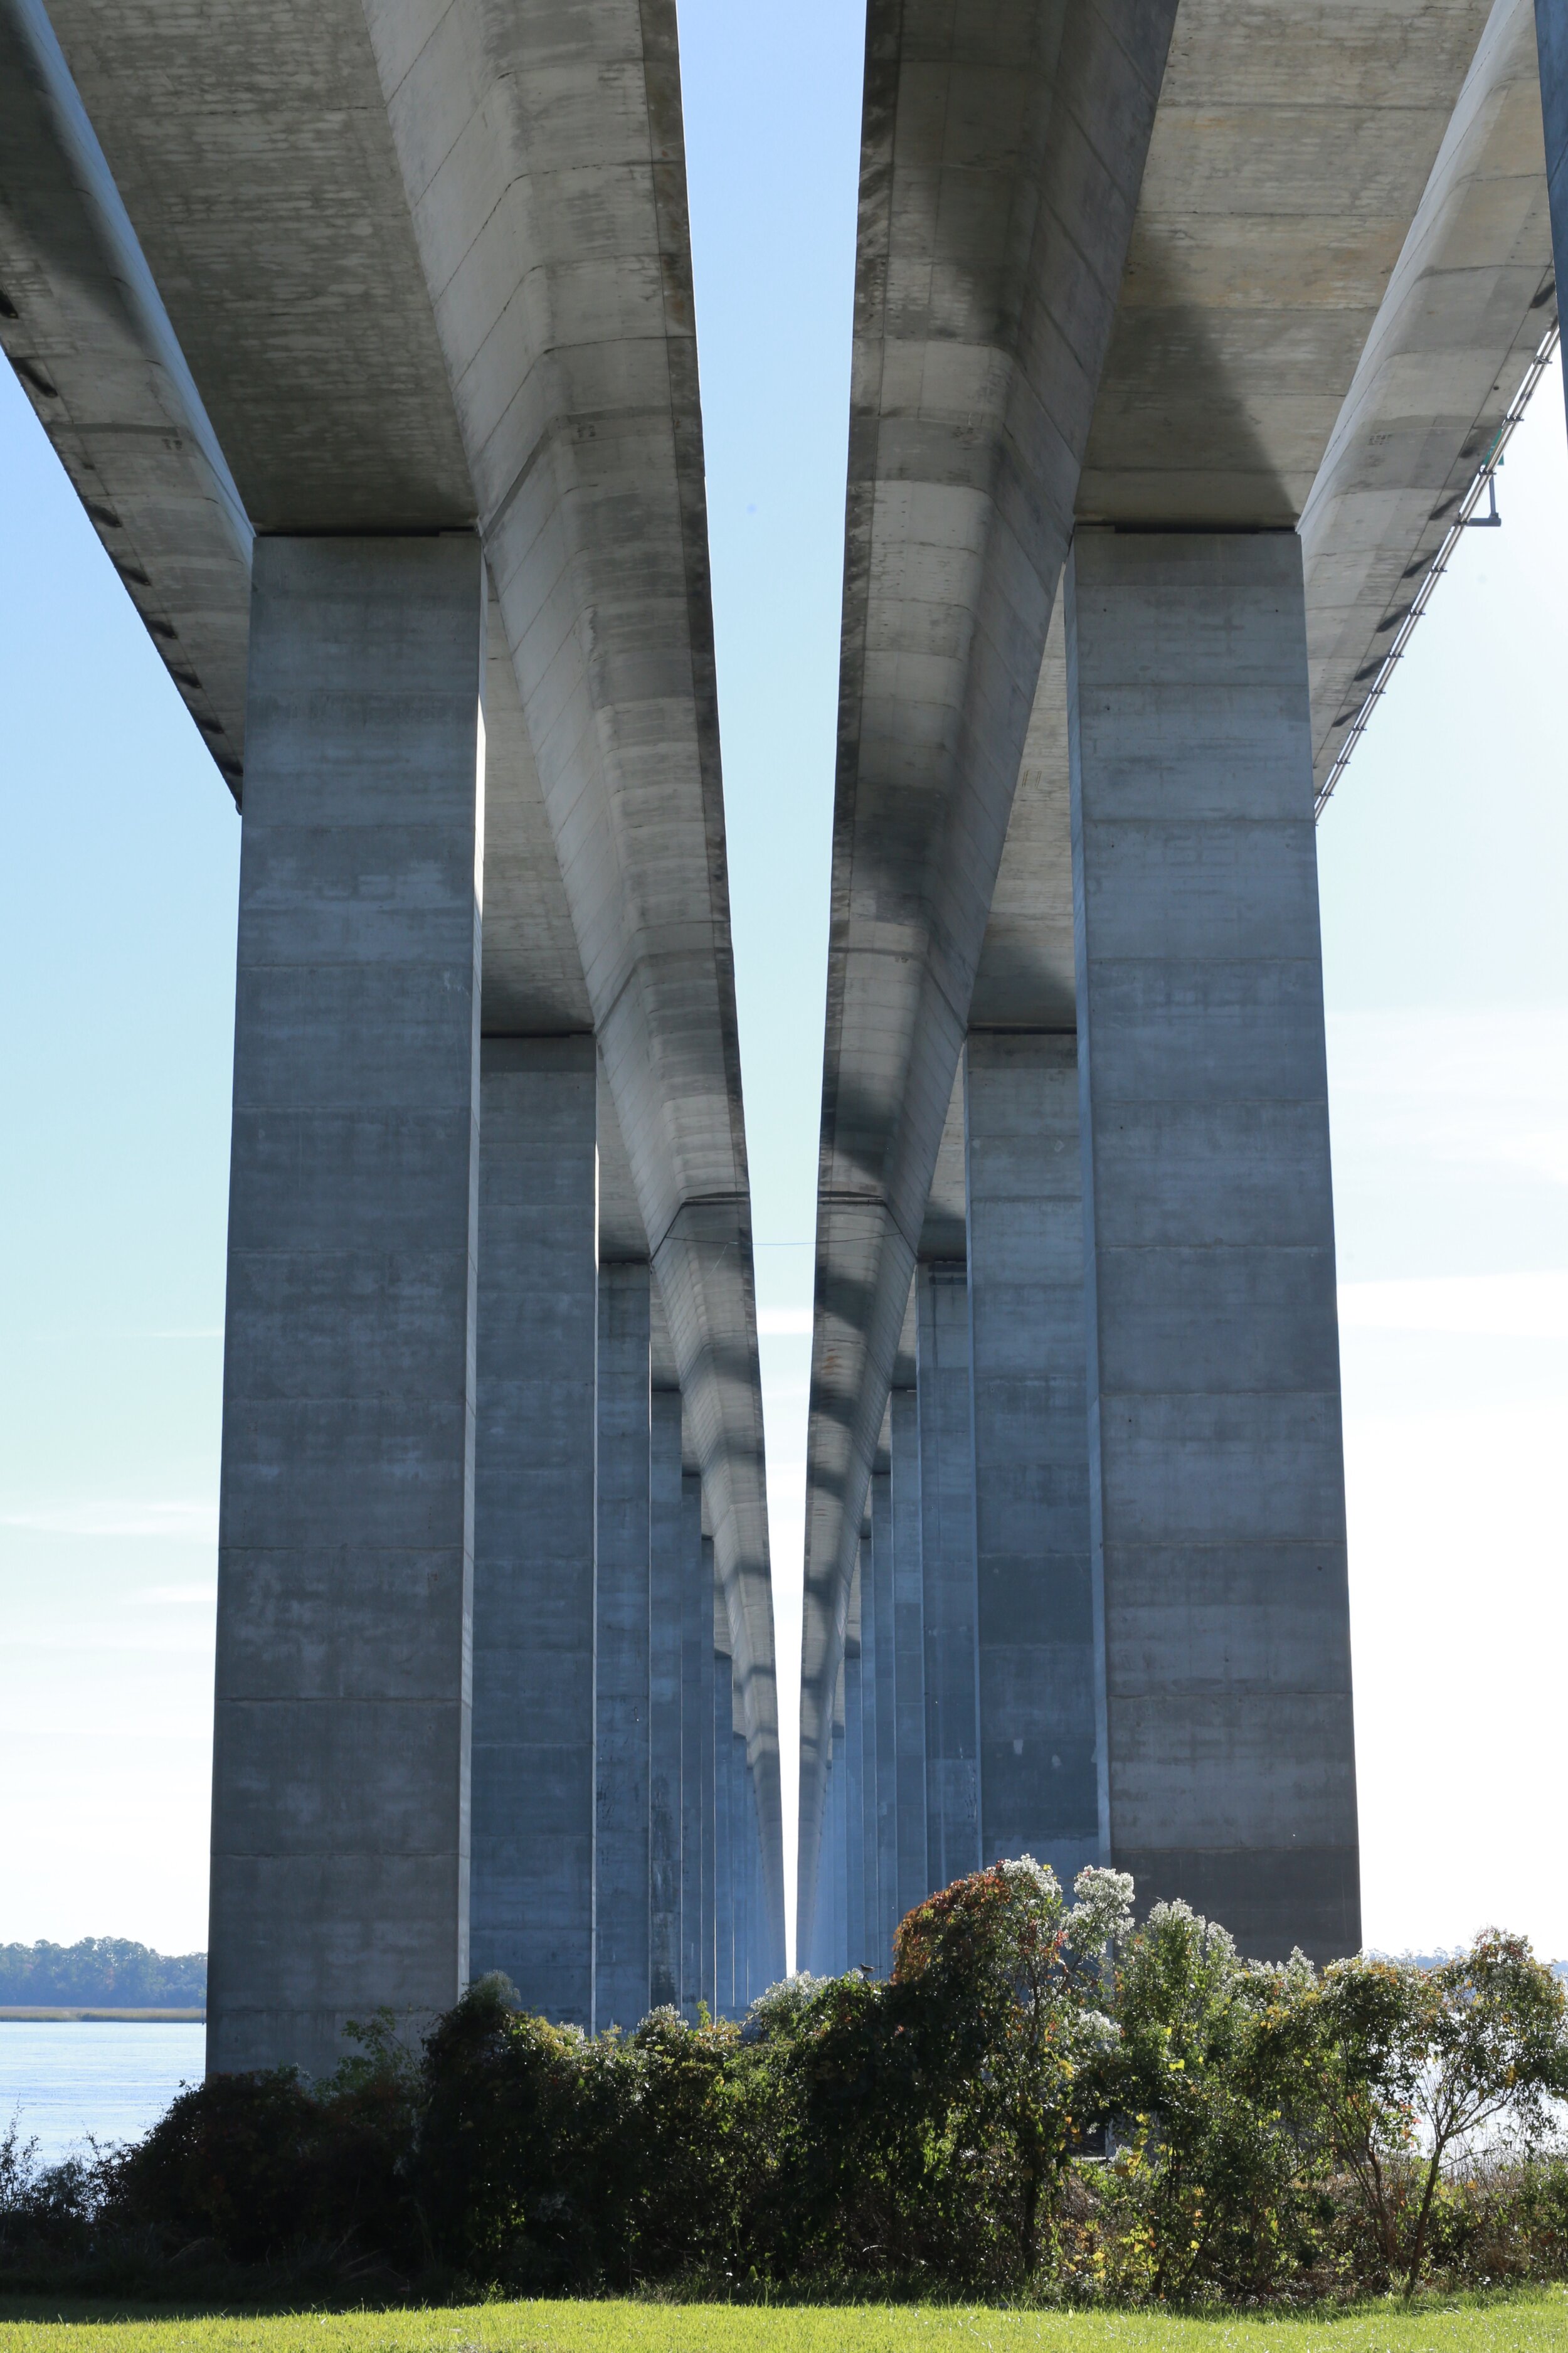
[366, 337]
[1180, 331]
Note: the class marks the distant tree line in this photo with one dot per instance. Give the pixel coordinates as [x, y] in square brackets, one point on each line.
[111, 1972]
[1046, 2101]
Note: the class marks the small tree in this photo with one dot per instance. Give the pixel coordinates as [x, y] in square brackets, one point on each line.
[1415, 2061]
[1497, 2045]
[1214, 2076]
[1012, 2023]
[1373, 2027]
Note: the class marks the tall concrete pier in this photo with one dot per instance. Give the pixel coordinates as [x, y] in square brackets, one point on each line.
[340, 1845]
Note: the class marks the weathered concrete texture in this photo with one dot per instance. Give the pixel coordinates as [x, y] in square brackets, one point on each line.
[1288, 155]
[853, 1788]
[909, 1636]
[745, 1870]
[886, 1712]
[1002, 151]
[667, 1588]
[1217, 1493]
[85, 327]
[948, 1573]
[707, 1801]
[534, 1532]
[1026, 979]
[1039, 1671]
[838, 1938]
[723, 1807]
[871, 1921]
[251, 142]
[1552, 39]
[341, 1774]
[1465, 310]
[694, 1638]
[622, 1884]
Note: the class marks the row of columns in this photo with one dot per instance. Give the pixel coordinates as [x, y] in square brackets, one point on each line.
[475, 1706]
[1112, 1622]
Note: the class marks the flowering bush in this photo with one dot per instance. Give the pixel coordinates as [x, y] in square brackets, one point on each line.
[1043, 2098]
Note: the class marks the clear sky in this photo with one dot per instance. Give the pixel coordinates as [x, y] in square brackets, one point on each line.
[1443, 860]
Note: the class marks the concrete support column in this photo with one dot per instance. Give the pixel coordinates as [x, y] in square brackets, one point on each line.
[1216, 1481]
[886, 1728]
[746, 1874]
[947, 1560]
[838, 1956]
[757, 1972]
[854, 1789]
[711, 1754]
[666, 1586]
[745, 1864]
[1038, 1664]
[909, 1640]
[723, 1831]
[339, 1828]
[534, 1534]
[871, 1925]
[694, 1638]
[621, 1668]
[1552, 49]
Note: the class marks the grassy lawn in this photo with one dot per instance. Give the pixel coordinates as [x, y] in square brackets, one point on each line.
[1530, 2325]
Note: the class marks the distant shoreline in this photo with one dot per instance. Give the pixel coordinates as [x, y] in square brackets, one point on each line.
[99, 2013]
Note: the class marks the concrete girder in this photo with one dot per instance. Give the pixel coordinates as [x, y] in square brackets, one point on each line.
[1466, 308]
[85, 329]
[1002, 153]
[1293, 142]
[249, 141]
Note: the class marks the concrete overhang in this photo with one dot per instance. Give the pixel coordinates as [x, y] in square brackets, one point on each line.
[424, 271]
[85, 327]
[1469, 303]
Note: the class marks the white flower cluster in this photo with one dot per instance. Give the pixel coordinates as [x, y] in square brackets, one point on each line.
[1103, 1911]
[1035, 1882]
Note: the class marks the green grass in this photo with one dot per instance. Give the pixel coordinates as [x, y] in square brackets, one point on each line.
[1537, 2324]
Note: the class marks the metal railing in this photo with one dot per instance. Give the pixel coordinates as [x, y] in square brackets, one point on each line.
[1482, 485]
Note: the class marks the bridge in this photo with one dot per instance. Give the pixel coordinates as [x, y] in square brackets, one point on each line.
[1185, 336]
[366, 338]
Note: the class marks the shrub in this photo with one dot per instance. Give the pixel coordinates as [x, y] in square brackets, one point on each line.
[1269, 2134]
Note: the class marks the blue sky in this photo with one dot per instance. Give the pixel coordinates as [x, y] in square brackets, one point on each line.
[1442, 860]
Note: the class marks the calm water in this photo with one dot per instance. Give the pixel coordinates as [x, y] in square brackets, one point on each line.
[63, 2078]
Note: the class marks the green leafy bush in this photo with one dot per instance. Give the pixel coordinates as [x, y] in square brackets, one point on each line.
[1042, 2100]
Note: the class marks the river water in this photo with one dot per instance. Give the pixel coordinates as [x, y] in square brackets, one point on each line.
[63, 2079]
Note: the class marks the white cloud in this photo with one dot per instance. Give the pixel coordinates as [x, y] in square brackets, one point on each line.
[1478, 1306]
[1459, 1609]
[203, 1594]
[783, 1322]
[182, 1521]
[1484, 1091]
